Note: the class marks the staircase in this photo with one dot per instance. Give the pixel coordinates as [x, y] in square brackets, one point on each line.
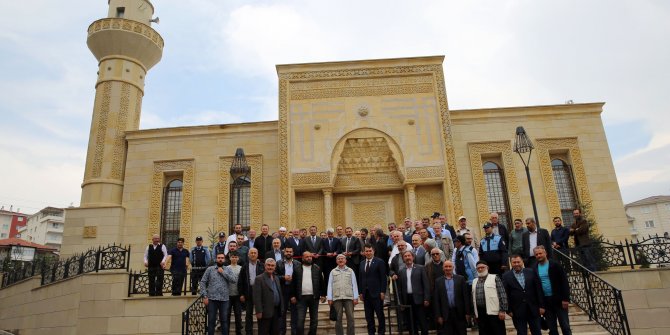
[579, 323]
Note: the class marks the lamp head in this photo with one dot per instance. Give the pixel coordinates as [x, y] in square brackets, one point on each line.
[522, 142]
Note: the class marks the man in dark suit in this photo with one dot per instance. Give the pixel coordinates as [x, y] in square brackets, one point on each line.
[263, 242]
[308, 296]
[296, 243]
[451, 302]
[285, 269]
[245, 284]
[351, 245]
[332, 246]
[524, 296]
[532, 238]
[414, 292]
[381, 245]
[268, 299]
[372, 285]
[275, 251]
[314, 244]
[556, 291]
[499, 229]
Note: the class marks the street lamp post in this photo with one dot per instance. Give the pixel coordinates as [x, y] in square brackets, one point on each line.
[522, 145]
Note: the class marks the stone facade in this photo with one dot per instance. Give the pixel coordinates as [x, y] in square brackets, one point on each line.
[356, 143]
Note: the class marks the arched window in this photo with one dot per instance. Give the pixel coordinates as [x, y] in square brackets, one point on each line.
[240, 203]
[565, 187]
[171, 213]
[496, 192]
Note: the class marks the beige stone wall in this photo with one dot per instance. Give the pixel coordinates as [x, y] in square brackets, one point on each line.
[646, 294]
[93, 303]
[201, 156]
[90, 228]
[575, 130]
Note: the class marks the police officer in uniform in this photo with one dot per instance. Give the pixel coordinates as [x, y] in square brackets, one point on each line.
[200, 257]
[493, 250]
[219, 247]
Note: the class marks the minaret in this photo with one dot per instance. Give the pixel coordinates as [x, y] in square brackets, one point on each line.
[126, 47]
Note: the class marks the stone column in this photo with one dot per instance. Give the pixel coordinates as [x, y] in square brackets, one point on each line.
[328, 207]
[411, 199]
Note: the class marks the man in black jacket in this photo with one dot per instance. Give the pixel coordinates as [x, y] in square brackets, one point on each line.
[372, 286]
[451, 302]
[263, 242]
[285, 271]
[245, 284]
[556, 291]
[306, 295]
[415, 291]
[524, 296]
[532, 238]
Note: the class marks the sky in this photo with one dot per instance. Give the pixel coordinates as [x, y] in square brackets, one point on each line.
[219, 60]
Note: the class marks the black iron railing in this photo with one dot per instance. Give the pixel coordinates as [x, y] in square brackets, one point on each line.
[112, 257]
[194, 318]
[653, 250]
[138, 282]
[400, 311]
[598, 298]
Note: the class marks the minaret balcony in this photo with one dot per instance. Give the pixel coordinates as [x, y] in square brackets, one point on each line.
[121, 37]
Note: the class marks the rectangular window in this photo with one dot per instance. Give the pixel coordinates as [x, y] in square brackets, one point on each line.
[5, 226]
[55, 225]
[646, 209]
[21, 218]
[649, 224]
[3, 235]
[120, 11]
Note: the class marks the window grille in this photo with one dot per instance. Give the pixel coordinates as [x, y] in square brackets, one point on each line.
[171, 213]
[496, 192]
[240, 203]
[565, 187]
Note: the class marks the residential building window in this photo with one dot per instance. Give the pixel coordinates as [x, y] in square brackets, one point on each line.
[240, 203]
[3, 235]
[55, 225]
[171, 213]
[5, 226]
[565, 187]
[649, 224]
[21, 218]
[646, 209]
[496, 192]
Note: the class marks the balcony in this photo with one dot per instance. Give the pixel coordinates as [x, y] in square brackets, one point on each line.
[122, 37]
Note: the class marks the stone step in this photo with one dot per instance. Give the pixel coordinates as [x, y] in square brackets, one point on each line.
[579, 322]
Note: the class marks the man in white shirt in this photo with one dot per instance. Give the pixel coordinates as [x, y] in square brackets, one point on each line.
[155, 257]
[233, 237]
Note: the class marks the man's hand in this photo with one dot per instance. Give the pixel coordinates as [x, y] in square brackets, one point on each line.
[323, 299]
[355, 302]
[293, 300]
[541, 311]
[360, 297]
[146, 264]
[394, 277]
[440, 320]
[426, 303]
[565, 304]
[163, 265]
[467, 317]
[330, 302]
[382, 296]
[221, 270]
[205, 301]
[259, 316]
[242, 298]
[501, 316]
[287, 278]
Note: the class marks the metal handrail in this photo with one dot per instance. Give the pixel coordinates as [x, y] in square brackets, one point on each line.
[398, 307]
[194, 318]
[599, 299]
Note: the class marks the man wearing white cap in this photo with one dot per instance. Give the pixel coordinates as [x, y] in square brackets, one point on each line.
[463, 228]
[282, 237]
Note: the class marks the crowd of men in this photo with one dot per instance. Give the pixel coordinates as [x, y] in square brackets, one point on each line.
[446, 277]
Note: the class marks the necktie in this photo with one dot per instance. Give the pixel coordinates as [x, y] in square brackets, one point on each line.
[314, 240]
[347, 248]
[367, 266]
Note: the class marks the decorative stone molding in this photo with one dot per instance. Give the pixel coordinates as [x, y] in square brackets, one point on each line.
[309, 209]
[426, 172]
[255, 162]
[411, 200]
[187, 167]
[311, 178]
[311, 81]
[362, 181]
[327, 207]
[429, 199]
[119, 146]
[544, 146]
[504, 148]
[102, 105]
[127, 25]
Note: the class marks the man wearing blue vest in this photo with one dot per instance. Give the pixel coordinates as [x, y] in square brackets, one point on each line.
[493, 250]
[200, 257]
[465, 260]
